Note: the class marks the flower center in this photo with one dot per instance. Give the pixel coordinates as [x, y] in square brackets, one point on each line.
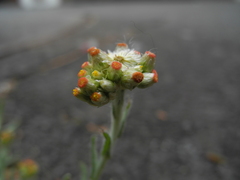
[119, 58]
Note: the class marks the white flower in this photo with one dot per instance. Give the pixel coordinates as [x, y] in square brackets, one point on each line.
[128, 57]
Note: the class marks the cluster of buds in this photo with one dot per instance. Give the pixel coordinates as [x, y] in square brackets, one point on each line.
[105, 73]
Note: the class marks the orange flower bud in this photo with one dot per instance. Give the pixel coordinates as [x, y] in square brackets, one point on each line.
[150, 54]
[122, 45]
[82, 73]
[6, 137]
[76, 91]
[137, 52]
[86, 65]
[131, 78]
[149, 79]
[93, 51]
[96, 96]
[28, 168]
[155, 76]
[137, 77]
[87, 85]
[116, 65]
[99, 98]
[82, 82]
[148, 61]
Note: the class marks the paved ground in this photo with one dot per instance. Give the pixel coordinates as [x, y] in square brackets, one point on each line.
[184, 127]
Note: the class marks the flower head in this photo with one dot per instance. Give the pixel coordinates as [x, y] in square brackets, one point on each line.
[28, 168]
[104, 73]
[125, 56]
[6, 137]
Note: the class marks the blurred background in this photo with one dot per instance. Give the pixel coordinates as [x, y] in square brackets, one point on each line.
[185, 127]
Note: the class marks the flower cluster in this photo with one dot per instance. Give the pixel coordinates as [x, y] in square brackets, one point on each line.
[105, 73]
[28, 168]
[6, 137]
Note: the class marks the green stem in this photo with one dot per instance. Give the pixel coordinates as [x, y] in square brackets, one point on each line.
[101, 164]
[116, 127]
[117, 114]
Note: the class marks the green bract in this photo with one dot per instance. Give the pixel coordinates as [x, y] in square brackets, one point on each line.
[105, 73]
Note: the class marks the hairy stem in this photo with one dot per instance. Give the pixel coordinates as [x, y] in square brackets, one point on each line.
[116, 127]
[117, 114]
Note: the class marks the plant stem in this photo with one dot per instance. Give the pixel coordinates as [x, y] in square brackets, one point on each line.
[101, 165]
[116, 127]
[117, 114]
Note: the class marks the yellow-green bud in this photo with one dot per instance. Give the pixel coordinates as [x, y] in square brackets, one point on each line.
[97, 75]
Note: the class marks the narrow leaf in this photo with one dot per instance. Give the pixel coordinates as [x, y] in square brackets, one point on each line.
[126, 110]
[94, 155]
[84, 171]
[107, 145]
[122, 128]
[124, 117]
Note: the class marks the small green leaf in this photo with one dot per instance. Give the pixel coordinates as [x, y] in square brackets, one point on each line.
[94, 155]
[126, 110]
[107, 145]
[67, 176]
[84, 171]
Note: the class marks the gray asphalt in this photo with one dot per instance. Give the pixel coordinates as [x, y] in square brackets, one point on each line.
[184, 127]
